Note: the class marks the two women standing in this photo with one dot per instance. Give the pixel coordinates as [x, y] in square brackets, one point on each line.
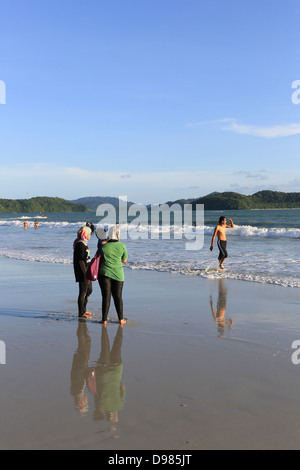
[113, 254]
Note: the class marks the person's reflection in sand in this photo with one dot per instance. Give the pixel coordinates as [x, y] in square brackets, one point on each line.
[79, 372]
[219, 315]
[109, 390]
[103, 380]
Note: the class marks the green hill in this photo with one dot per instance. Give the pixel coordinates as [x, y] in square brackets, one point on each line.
[260, 200]
[40, 204]
[213, 201]
[93, 202]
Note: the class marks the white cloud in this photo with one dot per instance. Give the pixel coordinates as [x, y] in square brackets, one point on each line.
[270, 132]
[296, 182]
[125, 176]
[259, 175]
[205, 123]
[24, 181]
[28, 180]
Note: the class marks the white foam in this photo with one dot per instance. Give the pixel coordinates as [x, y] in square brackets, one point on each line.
[250, 231]
[257, 254]
[38, 258]
[212, 272]
[175, 231]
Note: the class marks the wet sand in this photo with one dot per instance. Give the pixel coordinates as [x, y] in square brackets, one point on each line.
[201, 364]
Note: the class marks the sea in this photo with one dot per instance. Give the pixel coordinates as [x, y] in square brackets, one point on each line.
[263, 247]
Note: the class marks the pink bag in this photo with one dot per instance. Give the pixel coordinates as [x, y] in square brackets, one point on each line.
[91, 382]
[93, 269]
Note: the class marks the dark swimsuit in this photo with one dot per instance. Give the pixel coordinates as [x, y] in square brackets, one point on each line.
[222, 245]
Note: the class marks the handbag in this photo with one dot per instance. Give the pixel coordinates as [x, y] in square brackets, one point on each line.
[93, 268]
[91, 381]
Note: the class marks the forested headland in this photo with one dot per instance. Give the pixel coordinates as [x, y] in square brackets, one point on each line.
[40, 204]
[260, 200]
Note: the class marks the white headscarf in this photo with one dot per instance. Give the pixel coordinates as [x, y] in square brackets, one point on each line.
[114, 233]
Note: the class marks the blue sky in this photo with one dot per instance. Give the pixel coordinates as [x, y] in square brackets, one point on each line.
[155, 100]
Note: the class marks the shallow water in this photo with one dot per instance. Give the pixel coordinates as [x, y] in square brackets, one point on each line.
[263, 247]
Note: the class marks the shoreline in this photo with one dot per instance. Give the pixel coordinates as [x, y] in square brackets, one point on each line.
[193, 380]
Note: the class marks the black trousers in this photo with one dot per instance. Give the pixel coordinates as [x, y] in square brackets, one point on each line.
[85, 290]
[109, 287]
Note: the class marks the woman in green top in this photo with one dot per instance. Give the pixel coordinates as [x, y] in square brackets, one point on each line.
[111, 273]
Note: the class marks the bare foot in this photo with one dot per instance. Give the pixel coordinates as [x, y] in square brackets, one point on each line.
[122, 322]
[221, 266]
[103, 322]
[88, 314]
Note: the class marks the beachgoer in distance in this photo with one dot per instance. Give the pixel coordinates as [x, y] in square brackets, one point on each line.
[91, 225]
[111, 274]
[36, 224]
[220, 232]
[25, 224]
[81, 260]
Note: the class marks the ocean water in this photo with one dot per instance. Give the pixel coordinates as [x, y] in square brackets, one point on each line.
[263, 247]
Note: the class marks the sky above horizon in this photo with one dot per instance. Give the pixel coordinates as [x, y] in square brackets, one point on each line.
[155, 100]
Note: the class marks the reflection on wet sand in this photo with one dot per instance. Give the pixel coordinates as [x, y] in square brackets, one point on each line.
[79, 372]
[103, 380]
[219, 315]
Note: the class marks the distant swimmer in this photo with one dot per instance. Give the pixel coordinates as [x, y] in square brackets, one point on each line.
[36, 224]
[220, 232]
[91, 226]
[25, 224]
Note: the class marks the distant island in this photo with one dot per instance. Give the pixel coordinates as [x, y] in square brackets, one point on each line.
[259, 200]
[213, 201]
[40, 204]
[235, 201]
[93, 202]
[216, 201]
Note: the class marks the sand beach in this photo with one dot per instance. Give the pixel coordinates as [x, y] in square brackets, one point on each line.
[205, 364]
[164, 118]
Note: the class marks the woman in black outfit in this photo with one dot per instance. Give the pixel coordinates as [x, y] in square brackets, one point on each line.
[81, 260]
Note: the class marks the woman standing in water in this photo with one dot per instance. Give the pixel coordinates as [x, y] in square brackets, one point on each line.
[111, 274]
[81, 260]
